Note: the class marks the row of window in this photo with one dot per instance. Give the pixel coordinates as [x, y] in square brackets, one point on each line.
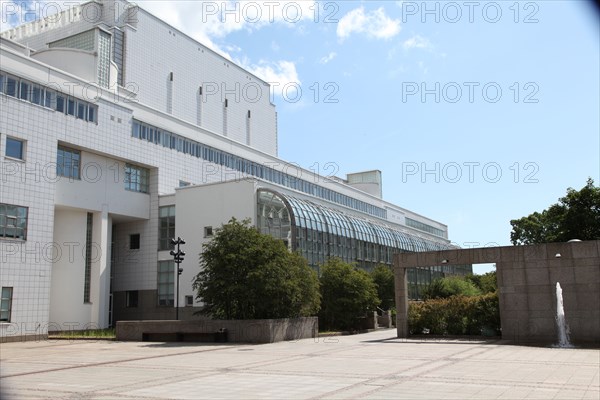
[176, 142]
[424, 227]
[37, 94]
[68, 164]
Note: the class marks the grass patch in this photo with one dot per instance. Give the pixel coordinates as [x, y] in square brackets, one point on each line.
[106, 334]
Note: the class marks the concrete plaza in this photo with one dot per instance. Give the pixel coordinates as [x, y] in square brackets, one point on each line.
[376, 365]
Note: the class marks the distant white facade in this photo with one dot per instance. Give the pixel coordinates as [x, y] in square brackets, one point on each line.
[118, 132]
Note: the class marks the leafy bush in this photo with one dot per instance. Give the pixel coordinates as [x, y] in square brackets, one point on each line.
[486, 283]
[450, 286]
[455, 315]
[247, 275]
[346, 294]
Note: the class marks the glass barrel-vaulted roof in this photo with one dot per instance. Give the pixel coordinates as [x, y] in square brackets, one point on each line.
[309, 215]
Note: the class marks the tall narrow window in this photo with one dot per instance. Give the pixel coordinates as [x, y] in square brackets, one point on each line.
[68, 162]
[248, 128]
[88, 258]
[225, 105]
[199, 102]
[166, 283]
[12, 87]
[13, 222]
[6, 304]
[166, 217]
[134, 241]
[131, 298]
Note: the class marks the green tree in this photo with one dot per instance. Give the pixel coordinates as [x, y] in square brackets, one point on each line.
[383, 277]
[247, 275]
[486, 283]
[346, 294]
[575, 216]
[450, 286]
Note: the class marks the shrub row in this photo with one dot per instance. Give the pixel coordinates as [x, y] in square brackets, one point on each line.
[456, 315]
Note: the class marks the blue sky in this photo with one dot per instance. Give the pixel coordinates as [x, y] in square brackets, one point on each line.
[475, 112]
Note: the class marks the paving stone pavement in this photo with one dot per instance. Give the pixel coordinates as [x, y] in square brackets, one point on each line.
[376, 365]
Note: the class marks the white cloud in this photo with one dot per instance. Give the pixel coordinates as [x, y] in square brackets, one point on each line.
[19, 12]
[417, 42]
[282, 75]
[375, 24]
[329, 57]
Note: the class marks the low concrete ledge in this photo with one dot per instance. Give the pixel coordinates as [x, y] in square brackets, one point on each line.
[238, 331]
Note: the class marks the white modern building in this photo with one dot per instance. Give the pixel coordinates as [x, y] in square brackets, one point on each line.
[109, 149]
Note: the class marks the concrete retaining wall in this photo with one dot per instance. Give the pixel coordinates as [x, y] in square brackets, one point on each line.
[240, 331]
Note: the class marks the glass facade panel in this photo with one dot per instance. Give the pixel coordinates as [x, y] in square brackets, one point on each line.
[13, 221]
[68, 162]
[136, 178]
[6, 304]
[166, 283]
[15, 148]
[166, 226]
[321, 233]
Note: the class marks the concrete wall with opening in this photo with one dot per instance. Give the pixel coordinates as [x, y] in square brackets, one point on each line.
[527, 278]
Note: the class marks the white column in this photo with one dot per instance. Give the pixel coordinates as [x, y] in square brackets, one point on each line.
[101, 268]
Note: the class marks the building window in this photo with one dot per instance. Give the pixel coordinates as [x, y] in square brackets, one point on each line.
[6, 304]
[134, 241]
[88, 258]
[166, 216]
[15, 148]
[13, 222]
[189, 301]
[131, 299]
[68, 163]
[136, 178]
[166, 283]
[208, 231]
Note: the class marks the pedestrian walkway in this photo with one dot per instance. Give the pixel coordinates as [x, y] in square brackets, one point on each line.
[376, 365]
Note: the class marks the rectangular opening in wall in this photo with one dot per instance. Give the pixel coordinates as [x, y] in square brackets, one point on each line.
[189, 301]
[208, 231]
[134, 241]
[131, 298]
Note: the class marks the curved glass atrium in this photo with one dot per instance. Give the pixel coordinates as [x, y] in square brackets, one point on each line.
[320, 233]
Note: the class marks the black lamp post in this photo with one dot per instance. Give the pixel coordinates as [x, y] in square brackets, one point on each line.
[178, 258]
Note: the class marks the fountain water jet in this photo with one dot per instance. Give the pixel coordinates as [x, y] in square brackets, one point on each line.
[561, 322]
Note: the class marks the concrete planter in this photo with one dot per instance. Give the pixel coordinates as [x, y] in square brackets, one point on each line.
[238, 331]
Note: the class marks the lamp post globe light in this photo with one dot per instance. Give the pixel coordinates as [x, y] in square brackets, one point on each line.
[178, 258]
